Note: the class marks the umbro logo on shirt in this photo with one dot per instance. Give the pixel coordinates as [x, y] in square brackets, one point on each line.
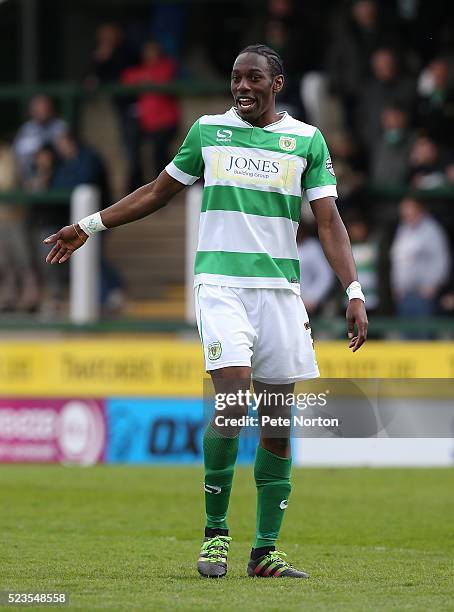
[224, 136]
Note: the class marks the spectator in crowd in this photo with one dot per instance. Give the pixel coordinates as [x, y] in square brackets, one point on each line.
[450, 172]
[390, 157]
[426, 168]
[280, 9]
[42, 128]
[436, 103]
[420, 262]
[43, 218]
[317, 277]
[365, 250]
[111, 56]
[168, 25]
[387, 85]
[43, 170]
[280, 36]
[158, 114]
[18, 280]
[354, 40]
[278, 28]
[80, 164]
[447, 300]
[425, 26]
[63, 168]
[348, 164]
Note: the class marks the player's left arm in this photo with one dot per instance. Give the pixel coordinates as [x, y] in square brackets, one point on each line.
[319, 181]
[336, 246]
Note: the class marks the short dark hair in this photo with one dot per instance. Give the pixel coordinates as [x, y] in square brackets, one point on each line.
[418, 197]
[275, 62]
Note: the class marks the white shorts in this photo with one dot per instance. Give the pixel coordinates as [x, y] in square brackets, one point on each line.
[266, 329]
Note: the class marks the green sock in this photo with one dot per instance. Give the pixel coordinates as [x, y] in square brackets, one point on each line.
[220, 456]
[272, 477]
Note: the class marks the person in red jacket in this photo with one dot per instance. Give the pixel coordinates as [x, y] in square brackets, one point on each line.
[157, 114]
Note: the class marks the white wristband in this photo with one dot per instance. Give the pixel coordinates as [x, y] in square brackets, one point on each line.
[92, 224]
[354, 291]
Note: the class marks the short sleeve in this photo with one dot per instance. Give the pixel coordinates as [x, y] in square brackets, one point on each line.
[319, 180]
[187, 165]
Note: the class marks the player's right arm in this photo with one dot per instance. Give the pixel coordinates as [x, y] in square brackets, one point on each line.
[137, 205]
[184, 170]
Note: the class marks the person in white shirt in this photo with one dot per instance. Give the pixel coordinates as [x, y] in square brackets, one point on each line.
[420, 261]
[317, 277]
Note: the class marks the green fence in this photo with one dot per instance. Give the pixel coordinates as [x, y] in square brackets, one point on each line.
[69, 94]
[334, 327]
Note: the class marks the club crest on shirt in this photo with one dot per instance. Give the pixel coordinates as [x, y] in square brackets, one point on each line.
[287, 143]
[214, 350]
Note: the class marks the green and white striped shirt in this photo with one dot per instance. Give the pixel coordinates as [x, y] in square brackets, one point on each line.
[254, 182]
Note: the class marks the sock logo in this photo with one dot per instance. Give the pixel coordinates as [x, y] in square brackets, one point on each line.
[283, 505]
[212, 489]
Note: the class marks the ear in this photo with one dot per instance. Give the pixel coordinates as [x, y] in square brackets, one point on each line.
[278, 83]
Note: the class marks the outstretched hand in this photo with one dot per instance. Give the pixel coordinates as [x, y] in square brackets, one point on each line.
[66, 241]
[356, 313]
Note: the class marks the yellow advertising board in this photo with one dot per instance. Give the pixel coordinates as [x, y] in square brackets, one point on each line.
[150, 367]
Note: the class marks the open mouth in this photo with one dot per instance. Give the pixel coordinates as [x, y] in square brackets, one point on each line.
[245, 104]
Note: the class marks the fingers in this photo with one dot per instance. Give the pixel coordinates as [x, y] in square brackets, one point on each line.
[52, 253]
[66, 256]
[59, 254]
[50, 239]
[356, 314]
[362, 326]
[350, 327]
[357, 341]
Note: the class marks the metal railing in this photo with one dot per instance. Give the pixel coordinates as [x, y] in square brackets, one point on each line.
[334, 327]
[69, 94]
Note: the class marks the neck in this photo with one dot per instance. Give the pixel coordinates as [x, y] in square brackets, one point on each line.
[267, 118]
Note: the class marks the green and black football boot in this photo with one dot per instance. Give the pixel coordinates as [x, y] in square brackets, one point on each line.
[212, 561]
[272, 565]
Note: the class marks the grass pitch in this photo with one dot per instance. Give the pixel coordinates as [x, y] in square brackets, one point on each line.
[123, 538]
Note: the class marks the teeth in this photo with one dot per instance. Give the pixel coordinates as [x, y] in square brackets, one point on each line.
[245, 101]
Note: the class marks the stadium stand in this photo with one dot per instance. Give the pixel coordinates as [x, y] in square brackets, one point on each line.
[369, 61]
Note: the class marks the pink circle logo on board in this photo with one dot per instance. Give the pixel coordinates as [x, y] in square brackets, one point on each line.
[81, 432]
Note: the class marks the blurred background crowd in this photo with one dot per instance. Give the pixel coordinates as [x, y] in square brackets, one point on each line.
[377, 77]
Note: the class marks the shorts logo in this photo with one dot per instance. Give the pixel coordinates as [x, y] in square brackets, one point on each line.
[283, 505]
[287, 143]
[329, 166]
[224, 135]
[214, 351]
